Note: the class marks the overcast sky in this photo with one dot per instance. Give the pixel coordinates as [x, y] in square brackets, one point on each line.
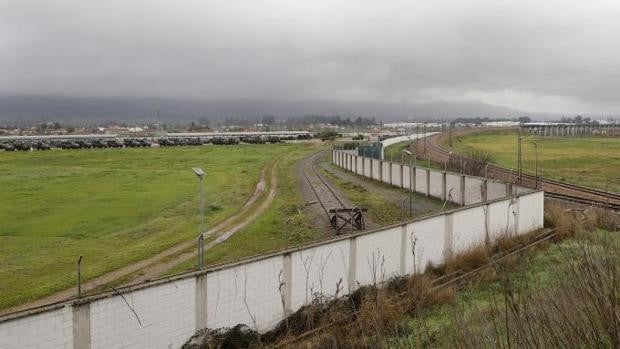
[543, 55]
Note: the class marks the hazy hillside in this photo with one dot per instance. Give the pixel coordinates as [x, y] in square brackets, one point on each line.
[25, 109]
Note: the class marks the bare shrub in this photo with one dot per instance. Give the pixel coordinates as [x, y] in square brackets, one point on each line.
[578, 310]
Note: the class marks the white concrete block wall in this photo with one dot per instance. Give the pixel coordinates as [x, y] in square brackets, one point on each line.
[378, 256]
[420, 180]
[436, 187]
[495, 190]
[531, 212]
[396, 175]
[501, 219]
[51, 329]
[453, 182]
[469, 229]
[473, 190]
[385, 173]
[167, 313]
[319, 270]
[245, 294]
[376, 169]
[428, 236]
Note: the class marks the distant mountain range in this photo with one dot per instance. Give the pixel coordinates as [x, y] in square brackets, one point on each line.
[30, 109]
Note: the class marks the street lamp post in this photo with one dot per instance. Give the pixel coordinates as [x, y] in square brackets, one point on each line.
[200, 173]
[536, 161]
[405, 151]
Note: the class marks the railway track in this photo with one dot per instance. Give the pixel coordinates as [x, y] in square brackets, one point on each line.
[552, 188]
[325, 195]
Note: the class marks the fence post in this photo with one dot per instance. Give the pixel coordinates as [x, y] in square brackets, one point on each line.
[287, 280]
[351, 274]
[448, 236]
[81, 325]
[487, 236]
[403, 250]
[444, 186]
[462, 190]
[428, 182]
[201, 301]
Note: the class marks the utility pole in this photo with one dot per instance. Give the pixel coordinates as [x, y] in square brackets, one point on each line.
[536, 161]
[201, 249]
[519, 157]
[424, 135]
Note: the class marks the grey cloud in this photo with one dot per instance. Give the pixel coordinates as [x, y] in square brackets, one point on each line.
[531, 55]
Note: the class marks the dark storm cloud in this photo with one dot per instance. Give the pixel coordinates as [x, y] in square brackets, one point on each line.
[533, 55]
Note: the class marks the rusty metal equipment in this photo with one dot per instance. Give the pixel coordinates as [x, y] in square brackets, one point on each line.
[341, 217]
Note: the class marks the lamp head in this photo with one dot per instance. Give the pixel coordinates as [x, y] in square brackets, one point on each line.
[198, 171]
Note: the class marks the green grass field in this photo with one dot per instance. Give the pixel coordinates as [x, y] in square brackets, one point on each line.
[591, 162]
[113, 206]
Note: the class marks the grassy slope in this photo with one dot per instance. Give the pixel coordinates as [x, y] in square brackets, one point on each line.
[585, 161]
[267, 233]
[539, 270]
[113, 206]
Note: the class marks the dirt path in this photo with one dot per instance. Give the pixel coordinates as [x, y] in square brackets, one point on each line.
[153, 266]
[223, 233]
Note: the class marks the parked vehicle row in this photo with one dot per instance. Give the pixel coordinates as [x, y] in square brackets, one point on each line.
[20, 145]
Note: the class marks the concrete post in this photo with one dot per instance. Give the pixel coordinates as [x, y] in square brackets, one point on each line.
[404, 249]
[428, 182]
[391, 180]
[201, 301]
[484, 188]
[402, 176]
[444, 186]
[487, 237]
[81, 326]
[448, 236]
[287, 281]
[413, 181]
[364, 166]
[351, 274]
[462, 190]
[516, 216]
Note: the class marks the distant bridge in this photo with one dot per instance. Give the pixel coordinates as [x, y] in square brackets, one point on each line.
[569, 130]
